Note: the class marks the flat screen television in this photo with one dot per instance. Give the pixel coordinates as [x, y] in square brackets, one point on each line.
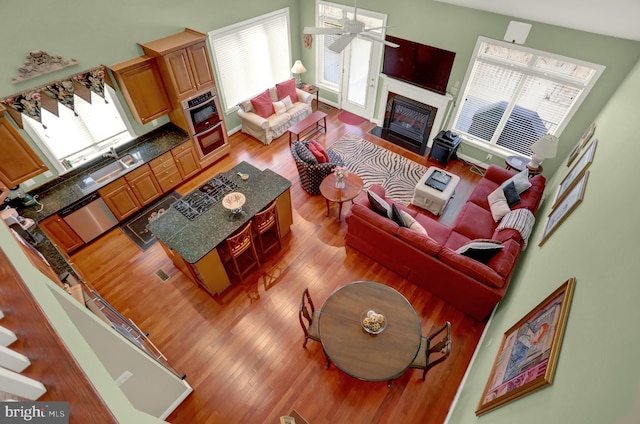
[425, 66]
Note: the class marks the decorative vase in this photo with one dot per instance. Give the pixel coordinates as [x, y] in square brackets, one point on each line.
[339, 183]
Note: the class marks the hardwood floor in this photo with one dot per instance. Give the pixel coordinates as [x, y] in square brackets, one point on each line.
[242, 351]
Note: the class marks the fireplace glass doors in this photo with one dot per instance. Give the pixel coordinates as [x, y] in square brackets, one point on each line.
[408, 123]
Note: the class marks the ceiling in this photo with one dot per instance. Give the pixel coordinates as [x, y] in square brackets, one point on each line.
[616, 18]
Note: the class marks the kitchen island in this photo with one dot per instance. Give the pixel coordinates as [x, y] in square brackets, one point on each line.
[192, 242]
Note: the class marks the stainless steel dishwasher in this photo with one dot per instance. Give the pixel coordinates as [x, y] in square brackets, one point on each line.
[89, 217]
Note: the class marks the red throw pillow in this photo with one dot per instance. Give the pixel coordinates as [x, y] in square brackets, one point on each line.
[287, 88]
[322, 150]
[313, 148]
[263, 104]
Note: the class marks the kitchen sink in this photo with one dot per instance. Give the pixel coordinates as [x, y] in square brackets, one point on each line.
[109, 172]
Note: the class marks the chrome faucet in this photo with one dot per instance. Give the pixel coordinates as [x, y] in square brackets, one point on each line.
[112, 153]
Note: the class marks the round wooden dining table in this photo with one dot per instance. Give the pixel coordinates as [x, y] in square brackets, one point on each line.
[369, 357]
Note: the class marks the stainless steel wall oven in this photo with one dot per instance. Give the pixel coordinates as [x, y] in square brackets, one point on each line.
[204, 121]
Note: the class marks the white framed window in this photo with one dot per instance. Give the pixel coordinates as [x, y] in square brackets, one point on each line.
[512, 95]
[69, 140]
[329, 63]
[251, 56]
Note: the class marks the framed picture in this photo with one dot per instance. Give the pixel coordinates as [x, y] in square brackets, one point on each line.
[581, 143]
[565, 207]
[572, 177]
[527, 358]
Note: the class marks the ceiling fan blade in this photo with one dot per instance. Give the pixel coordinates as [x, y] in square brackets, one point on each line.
[342, 42]
[377, 28]
[378, 39]
[317, 30]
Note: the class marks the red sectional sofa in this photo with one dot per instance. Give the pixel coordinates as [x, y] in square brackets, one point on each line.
[431, 262]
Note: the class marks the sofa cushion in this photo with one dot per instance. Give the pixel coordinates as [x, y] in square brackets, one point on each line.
[263, 104]
[305, 154]
[320, 156]
[498, 204]
[511, 194]
[480, 249]
[474, 222]
[397, 216]
[520, 180]
[287, 102]
[321, 149]
[279, 107]
[412, 224]
[378, 204]
[287, 88]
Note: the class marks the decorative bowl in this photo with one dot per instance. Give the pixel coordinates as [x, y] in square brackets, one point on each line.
[373, 322]
[233, 201]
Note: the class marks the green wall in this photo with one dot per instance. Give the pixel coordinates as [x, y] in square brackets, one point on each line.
[597, 378]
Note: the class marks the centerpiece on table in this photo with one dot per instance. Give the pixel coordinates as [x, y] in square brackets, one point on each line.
[341, 172]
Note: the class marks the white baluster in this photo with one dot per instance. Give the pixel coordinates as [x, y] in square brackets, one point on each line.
[7, 336]
[13, 360]
[20, 385]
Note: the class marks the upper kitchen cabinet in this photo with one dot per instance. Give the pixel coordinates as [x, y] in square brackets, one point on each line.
[141, 84]
[21, 162]
[184, 63]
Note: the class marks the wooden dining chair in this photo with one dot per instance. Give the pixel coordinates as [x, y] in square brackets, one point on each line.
[438, 344]
[266, 222]
[309, 318]
[239, 244]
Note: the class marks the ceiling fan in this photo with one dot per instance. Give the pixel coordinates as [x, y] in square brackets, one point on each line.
[351, 28]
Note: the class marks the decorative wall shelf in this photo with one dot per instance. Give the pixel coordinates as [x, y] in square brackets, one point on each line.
[39, 63]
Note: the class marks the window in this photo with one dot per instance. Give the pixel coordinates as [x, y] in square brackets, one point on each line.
[513, 95]
[69, 140]
[251, 56]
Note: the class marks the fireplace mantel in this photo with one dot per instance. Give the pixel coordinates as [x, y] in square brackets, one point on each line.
[439, 101]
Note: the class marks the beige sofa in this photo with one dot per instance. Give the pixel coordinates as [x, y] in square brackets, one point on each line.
[266, 129]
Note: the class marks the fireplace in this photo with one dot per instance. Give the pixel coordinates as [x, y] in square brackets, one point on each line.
[408, 123]
[409, 115]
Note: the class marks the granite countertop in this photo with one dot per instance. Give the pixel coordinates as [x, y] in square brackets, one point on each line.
[192, 240]
[65, 191]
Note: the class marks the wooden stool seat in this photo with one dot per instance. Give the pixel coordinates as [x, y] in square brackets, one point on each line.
[240, 243]
[263, 222]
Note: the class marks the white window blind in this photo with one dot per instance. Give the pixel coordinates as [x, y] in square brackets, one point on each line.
[70, 140]
[251, 56]
[514, 95]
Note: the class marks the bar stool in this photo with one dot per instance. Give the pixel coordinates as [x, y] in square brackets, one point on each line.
[266, 220]
[239, 244]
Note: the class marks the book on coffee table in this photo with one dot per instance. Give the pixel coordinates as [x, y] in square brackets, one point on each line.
[438, 180]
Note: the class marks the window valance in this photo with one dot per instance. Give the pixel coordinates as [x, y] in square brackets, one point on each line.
[32, 101]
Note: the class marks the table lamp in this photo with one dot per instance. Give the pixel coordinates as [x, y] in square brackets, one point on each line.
[545, 147]
[297, 69]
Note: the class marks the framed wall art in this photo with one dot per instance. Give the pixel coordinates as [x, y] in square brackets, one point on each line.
[528, 355]
[581, 143]
[565, 207]
[572, 177]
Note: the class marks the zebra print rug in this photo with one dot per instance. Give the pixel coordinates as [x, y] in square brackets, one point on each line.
[376, 165]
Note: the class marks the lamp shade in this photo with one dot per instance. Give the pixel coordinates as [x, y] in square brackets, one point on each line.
[298, 68]
[546, 147]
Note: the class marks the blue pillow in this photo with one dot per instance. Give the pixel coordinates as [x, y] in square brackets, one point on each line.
[511, 194]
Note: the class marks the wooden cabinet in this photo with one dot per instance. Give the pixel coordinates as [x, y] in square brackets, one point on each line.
[166, 172]
[120, 198]
[184, 63]
[20, 161]
[141, 85]
[60, 233]
[143, 184]
[186, 160]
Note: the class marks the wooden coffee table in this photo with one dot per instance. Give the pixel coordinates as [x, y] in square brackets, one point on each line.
[352, 187]
[309, 125]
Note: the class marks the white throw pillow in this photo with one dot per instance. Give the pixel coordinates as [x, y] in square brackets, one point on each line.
[279, 107]
[412, 224]
[287, 102]
[520, 180]
[498, 204]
